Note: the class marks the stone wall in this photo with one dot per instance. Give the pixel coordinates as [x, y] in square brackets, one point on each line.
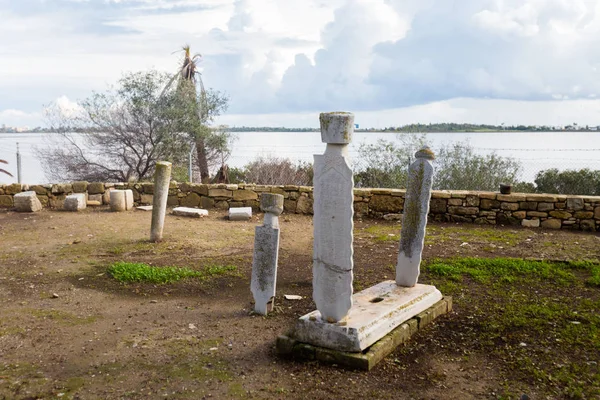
[519, 209]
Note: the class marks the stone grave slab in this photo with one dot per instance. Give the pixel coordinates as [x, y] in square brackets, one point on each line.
[190, 212]
[144, 208]
[375, 312]
[288, 346]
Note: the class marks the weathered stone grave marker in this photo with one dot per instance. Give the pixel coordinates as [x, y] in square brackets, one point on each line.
[333, 224]
[162, 178]
[414, 220]
[266, 251]
[345, 325]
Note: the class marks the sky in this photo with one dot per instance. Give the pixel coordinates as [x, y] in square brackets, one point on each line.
[281, 62]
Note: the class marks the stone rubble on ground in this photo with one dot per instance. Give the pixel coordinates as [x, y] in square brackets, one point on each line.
[75, 202]
[240, 213]
[190, 212]
[266, 251]
[144, 208]
[27, 202]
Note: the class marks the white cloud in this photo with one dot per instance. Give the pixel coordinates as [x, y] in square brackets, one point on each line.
[296, 56]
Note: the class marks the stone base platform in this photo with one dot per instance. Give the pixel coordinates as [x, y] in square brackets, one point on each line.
[375, 312]
[289, 346]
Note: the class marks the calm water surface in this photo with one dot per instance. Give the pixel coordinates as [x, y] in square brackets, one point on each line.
[535, 150]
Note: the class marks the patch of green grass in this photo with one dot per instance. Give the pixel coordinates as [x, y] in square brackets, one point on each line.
[509, 269]
[139, 272]
[384, 233]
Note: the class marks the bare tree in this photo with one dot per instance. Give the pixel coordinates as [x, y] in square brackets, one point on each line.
[118, 135]
[201, 107]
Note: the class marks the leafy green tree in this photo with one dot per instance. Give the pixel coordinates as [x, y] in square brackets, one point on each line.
[385, 163]
[198, 108]
[266, 170]
[121, 133]
[458, 167]
[3, 170]
[583, 181]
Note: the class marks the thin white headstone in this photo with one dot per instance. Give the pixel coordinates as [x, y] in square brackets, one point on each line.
[414, 220]
[333, 224]
[266, 251]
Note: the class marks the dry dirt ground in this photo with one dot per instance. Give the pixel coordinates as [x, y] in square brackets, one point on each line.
[70, 330]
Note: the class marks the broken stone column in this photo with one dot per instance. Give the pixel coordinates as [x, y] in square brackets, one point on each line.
[27, 202]
[121, 200]
[162, 177]
[333, 224]
[266, 251]
[414, 220]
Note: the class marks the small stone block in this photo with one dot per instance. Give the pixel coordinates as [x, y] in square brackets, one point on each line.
[190, 212]
[27, 202]
[144, 208]
[240, 213]
[121, 200]
[93, 203]
[75, 202]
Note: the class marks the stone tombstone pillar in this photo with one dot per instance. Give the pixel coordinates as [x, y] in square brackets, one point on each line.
[333, 224]
[162, 178]
[414, 219]
[266, 252]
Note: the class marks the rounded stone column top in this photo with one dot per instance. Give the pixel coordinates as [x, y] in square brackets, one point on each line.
[336, 127]
[162, 164]
[271, 203]
[426, 153]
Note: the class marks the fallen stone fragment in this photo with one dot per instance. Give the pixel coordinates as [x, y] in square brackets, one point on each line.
[190, 212]
[292, 297]
[144, 208]
[27, 202]
[75, 202]
[240, 213]
[93, 203]
[55, 295]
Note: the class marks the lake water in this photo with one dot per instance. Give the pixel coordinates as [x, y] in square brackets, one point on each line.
[535, 150]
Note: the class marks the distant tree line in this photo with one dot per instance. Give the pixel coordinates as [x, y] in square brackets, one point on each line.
[457, 167]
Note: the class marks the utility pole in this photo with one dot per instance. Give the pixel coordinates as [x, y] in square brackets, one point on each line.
[18, 164]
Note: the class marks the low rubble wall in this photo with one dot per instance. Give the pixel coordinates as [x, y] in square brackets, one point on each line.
[520, 209]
